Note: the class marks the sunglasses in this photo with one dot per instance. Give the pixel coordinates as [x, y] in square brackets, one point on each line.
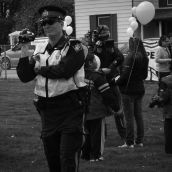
[43, 22]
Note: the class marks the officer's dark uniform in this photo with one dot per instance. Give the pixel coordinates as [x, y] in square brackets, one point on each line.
[112, 58]
[58, 85]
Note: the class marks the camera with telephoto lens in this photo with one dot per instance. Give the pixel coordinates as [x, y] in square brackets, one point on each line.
[156, 100]
[26, 36]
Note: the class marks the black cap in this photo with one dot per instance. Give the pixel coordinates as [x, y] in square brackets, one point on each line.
[51, 11]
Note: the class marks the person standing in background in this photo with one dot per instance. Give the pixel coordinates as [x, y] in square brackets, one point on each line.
[102, 102]
[111, 60]
[163, 58]
[131, 83]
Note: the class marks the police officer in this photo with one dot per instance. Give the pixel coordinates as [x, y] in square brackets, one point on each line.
[57, 68]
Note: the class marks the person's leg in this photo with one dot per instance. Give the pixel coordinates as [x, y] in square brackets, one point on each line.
[121, 126]
[139, 119]
[168, 135]
[128, 106]
[119, 117]
[95, 137]
[86, 148]
[70, 146]
[51, 149]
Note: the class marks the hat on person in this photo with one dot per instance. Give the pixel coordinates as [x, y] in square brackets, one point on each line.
[103, 32]
[51, 11]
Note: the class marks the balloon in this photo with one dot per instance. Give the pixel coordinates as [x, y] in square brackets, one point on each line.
[134, 25]
[134, 11]
[64, 25]
[130, 32]
[131, 19]
[145, 12]
[69, 30]
[68, 20]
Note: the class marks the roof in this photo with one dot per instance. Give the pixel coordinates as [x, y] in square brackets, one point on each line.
[163, 14]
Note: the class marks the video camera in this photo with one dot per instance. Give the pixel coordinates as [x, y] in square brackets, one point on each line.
[26, 36]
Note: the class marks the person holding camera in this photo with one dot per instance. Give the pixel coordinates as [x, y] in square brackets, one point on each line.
[57, 67]
[111, 60]
[131, 83]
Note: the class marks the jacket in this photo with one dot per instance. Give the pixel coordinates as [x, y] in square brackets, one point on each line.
[102, 96]
[61, 68]
[133, 73]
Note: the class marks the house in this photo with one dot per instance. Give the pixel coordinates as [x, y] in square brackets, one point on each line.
[115, 13]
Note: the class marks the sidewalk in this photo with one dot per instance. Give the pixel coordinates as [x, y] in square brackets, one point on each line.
[9, 74]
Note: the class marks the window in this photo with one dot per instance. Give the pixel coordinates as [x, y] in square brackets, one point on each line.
[169, 2]
[105, 19]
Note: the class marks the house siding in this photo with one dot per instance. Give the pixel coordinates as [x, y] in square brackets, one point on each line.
[85, 8]
[154, 2]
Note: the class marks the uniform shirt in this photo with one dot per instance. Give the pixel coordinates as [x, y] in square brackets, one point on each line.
[64, 69]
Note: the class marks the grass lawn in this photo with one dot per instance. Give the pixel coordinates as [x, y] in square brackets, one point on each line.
[21, 148]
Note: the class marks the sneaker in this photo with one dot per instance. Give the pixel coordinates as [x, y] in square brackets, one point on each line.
[139, 145]
[93, 160]
[126, 146]
[96, 160]
[101, 158]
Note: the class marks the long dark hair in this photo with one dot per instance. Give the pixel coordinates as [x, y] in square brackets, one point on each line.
[136, 47]
[162, 39]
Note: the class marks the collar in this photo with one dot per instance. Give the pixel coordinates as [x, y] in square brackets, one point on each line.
[58, 46]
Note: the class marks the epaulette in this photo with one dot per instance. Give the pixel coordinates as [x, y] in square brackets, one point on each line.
[76, 44]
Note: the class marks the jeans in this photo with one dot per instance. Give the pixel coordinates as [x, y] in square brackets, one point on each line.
[62, 151]
[132, 105]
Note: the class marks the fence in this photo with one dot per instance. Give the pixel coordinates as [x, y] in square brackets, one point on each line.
[9, 56]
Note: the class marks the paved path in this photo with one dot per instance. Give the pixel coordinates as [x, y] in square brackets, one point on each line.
[9, 74]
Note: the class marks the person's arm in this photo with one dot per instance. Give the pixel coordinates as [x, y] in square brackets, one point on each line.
[68, 65]
[25, 67]
[106, 92]
[159, 57]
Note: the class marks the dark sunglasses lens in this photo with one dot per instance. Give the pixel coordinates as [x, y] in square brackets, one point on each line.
[49, 22]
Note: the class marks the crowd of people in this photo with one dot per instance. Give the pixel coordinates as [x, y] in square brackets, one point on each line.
[77, 86]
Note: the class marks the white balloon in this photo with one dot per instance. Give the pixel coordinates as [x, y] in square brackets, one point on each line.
[130, 32]
[145, 12]
[134, 11]
[131, 19]
[64, 25]
[134, 25]
[69, 30]
[68, 20]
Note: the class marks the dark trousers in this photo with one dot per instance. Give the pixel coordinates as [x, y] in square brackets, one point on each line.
[92, 146]
[120, 125]
[62, 151]
[168, 135]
